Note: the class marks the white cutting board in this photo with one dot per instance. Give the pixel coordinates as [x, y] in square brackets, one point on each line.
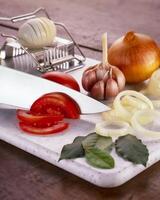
[49, 147]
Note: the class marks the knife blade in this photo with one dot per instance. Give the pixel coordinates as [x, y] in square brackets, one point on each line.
[19, 89]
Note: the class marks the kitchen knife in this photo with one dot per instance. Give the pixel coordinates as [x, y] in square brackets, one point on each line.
[20, 90]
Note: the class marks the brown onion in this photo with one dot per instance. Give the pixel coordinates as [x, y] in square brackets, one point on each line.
[136, 55]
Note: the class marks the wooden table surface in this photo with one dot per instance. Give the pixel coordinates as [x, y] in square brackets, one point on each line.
[25, 177]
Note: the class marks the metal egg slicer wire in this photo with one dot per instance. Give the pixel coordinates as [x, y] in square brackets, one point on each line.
[60, 56]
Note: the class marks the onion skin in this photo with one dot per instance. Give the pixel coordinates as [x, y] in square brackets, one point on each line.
[136, 55]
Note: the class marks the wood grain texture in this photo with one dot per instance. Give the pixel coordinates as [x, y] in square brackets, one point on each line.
[25, 177]
[87, 20]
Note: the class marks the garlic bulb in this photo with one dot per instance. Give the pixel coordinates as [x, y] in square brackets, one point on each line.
[37, 33]
[103, 82]
[136, 55]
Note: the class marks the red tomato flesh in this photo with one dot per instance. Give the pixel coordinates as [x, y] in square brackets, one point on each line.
[56, 102]
[46, 114]
[38, 120]
[44, 131]
[62, 78]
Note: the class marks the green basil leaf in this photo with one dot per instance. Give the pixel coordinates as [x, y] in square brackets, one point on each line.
[104, 143]
[99, 158]
[79, 139]
[90, 141]
[132, 149]
[100, 142]
[73, 150]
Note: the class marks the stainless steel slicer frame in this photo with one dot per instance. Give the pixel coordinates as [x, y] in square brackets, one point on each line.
[61, 56]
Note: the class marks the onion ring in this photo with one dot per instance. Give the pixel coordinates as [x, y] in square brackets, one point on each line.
[144, 117]
[127, 114]
[103, 128]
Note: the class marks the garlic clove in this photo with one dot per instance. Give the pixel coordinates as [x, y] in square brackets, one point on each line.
[100, 72]
[89, 79]
[120, 78]
[111, 89]
[97, 90]
[85, 82]
[106, 76]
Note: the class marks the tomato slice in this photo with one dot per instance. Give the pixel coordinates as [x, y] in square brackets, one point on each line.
[43, 131]
[38, 120]
[56, 102]
[62, 78]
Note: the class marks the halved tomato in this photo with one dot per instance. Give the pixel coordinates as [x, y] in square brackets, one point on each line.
[56, 102]
[62, 78]
[38, 120]
[43, 131]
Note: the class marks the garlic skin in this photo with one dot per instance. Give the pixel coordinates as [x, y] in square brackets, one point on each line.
[103, 82]
[136, 55]
[37, 33]
[111, 89]
[97, 90]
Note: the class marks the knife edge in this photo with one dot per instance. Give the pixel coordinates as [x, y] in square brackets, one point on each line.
[21, 89]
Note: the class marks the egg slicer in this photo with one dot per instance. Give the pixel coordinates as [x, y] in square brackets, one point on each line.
[58, 57]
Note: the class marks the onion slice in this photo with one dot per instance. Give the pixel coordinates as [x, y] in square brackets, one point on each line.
[153, 87]
[120, 128]
[141, 119]
[112, 115]
[125, 113]
[132, 102]
[156, 104]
